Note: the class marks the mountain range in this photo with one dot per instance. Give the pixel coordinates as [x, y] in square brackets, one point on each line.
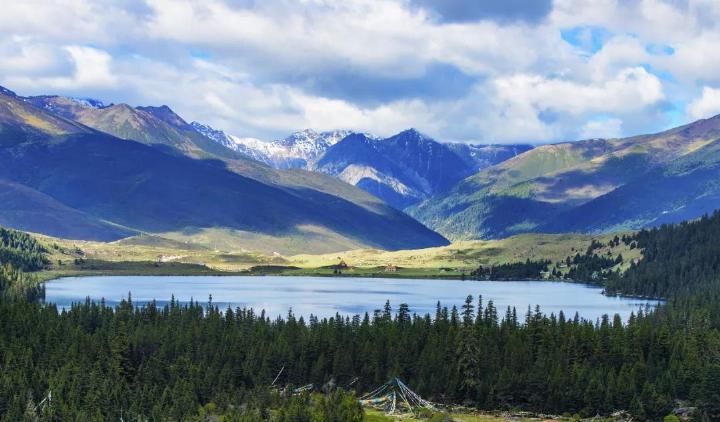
[408, 167]
[81, 168]
[402, 170]
[85, 170]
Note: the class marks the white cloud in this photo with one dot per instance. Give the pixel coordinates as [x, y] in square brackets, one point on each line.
[23, 56]
[707, 105]
[261, 70]
[386, 119]
[609, 128]
[695, 59]
[377, 35]
[92, 66]
[619, 52]
[90, 69]
[630, 90]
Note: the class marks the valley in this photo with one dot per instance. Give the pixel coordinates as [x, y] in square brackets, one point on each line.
[153, 255]
[360, 211]
[460, 334]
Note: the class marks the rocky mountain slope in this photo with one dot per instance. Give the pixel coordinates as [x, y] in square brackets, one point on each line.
[299, 150]
[401, 170]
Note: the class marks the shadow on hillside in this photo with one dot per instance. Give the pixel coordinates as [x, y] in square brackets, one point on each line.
[147, 189]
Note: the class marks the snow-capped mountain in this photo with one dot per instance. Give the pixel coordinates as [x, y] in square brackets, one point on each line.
[5, 91]
[216, 135]
[410, 166]
[299, 150]
[482, 156]
[250, 147]
[67, 107]
[401, 170]
[304, 148]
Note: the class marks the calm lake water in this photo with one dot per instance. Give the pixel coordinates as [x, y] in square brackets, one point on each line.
[324, 297]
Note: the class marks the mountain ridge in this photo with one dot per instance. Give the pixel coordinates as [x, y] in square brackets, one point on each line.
[409, 180]
[539, 189]
[147, 188]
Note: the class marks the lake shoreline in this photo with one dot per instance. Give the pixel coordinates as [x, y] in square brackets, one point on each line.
[325, 297]
[166, 270]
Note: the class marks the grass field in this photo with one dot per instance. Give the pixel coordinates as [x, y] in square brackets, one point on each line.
[464, 255]
[153, 255]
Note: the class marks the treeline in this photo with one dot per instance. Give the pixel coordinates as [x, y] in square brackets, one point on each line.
[19, 254]
[590, 267]
[678, 260]
[163, 363]
[21, 251]
[512, 271]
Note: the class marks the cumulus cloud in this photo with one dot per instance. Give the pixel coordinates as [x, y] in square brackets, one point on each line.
[90, 68]
[630, 90]
[486, 71]
[707, 105]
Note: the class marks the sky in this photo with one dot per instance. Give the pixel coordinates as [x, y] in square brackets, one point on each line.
[471, 71]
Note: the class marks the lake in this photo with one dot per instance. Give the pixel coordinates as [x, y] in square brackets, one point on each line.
[326, 296]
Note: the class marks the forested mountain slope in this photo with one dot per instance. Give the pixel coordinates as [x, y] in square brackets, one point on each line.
[679, 260]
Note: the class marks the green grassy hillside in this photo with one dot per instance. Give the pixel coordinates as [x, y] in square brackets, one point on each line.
[681, 190]
[542, 189]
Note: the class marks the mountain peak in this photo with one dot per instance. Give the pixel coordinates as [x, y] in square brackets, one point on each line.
[165, 114]
[310, 139]
[215, 134]
[121, 107]
[357, 137]
[7, 92]
[414, 133]
[300, 135]
[411, 135]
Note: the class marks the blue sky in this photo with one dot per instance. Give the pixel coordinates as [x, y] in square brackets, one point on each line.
[471, 71]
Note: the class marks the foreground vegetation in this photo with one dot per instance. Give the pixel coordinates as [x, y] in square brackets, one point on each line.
[165, 363]
[190, 362]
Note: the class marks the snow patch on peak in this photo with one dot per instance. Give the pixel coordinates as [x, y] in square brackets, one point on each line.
[308, 146]
[216, 135]
[301, 149]
[254, 148]
[88, 102]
